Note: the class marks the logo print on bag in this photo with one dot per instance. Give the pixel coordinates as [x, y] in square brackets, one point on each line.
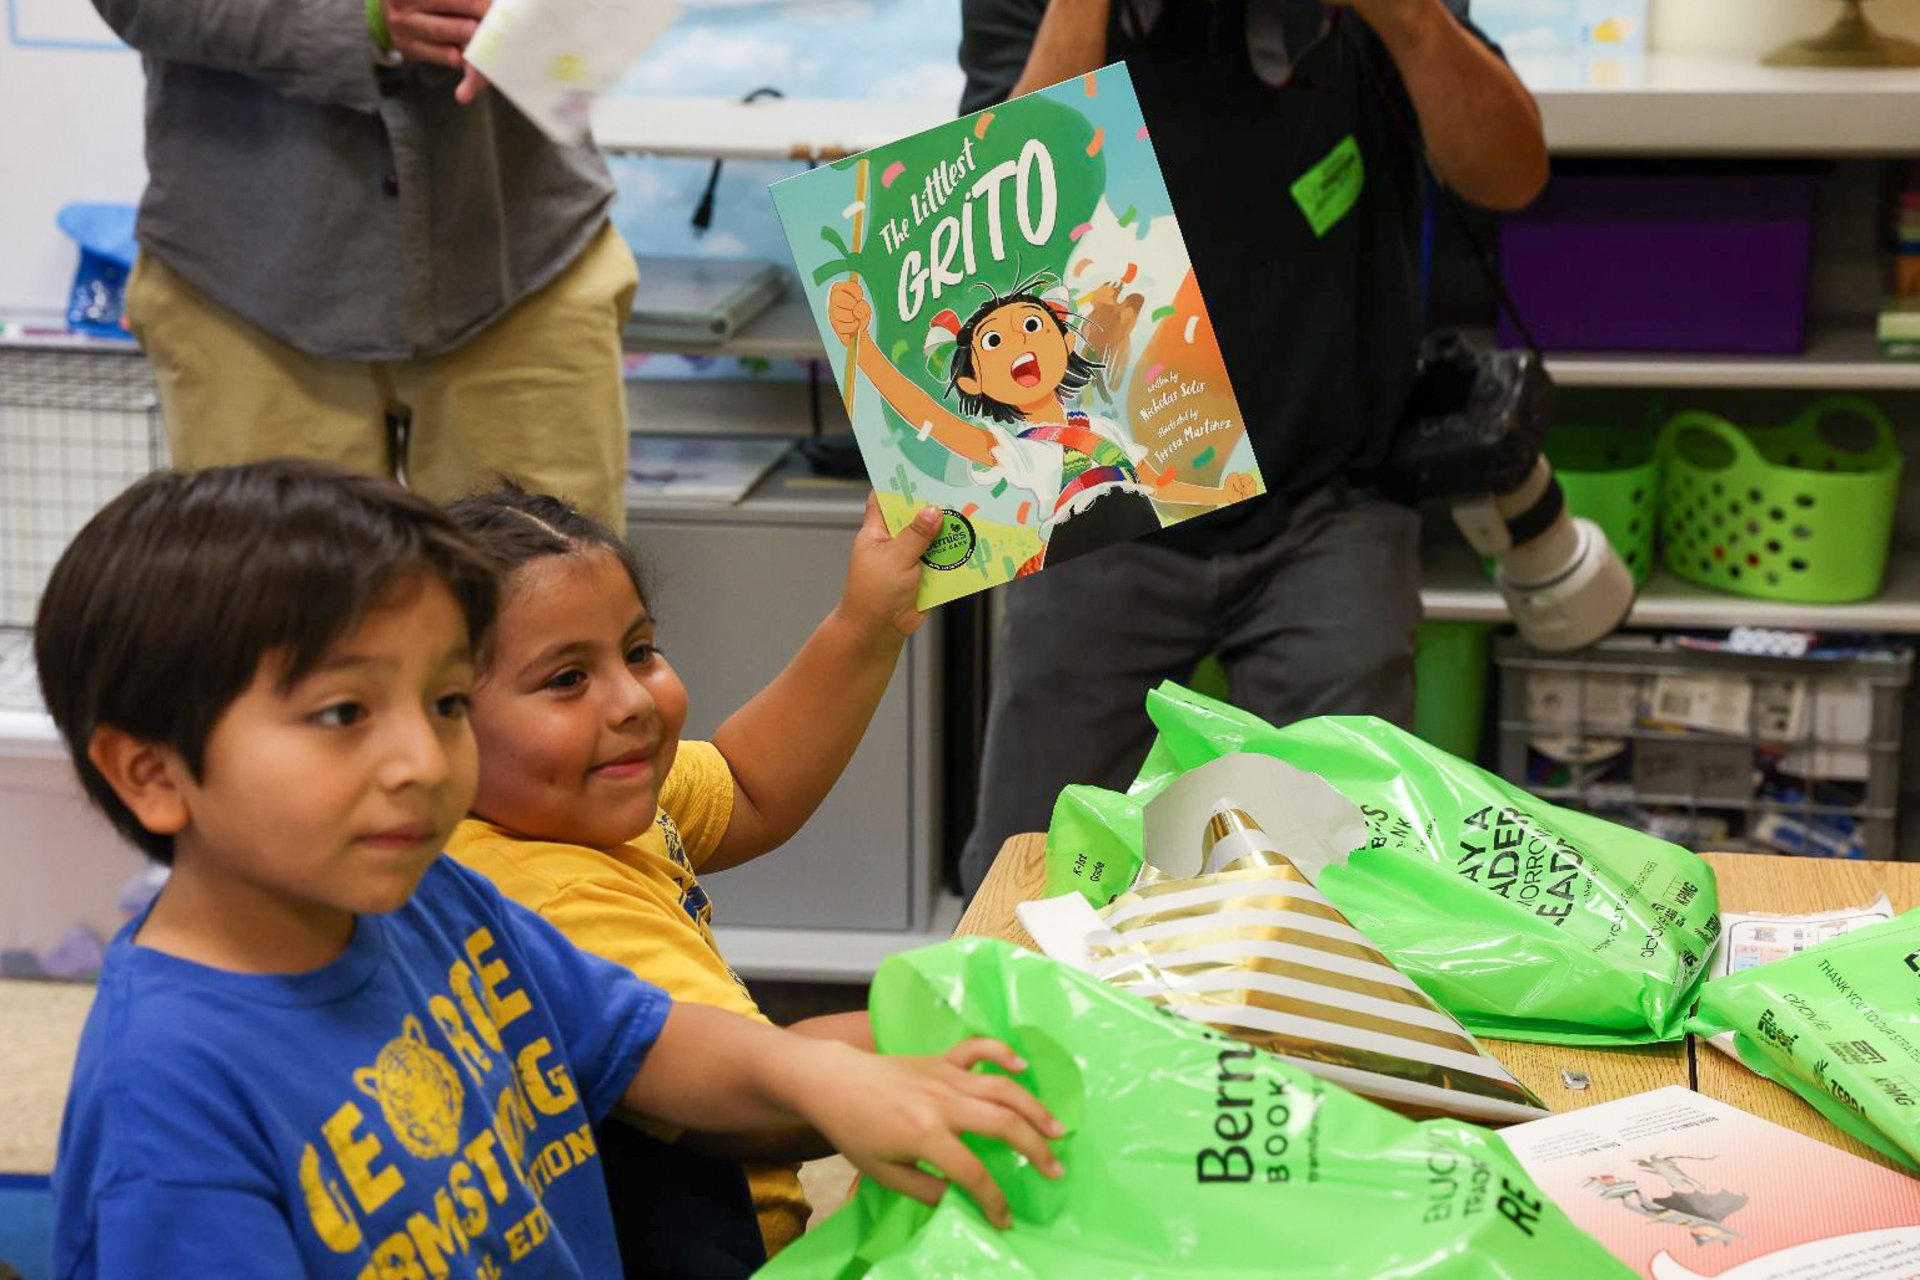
[418, 1091]
[1505, 853]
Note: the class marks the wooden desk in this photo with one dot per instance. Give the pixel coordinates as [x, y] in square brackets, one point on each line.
[39, 1033]
[1748, 882]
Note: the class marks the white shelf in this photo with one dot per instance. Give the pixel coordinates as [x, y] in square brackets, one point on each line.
[1673, 104]
[1840, 354]
[784, 330]
[812, 129]
[1680, 104]
[828, 955]
[1454, 590]
[48, 330]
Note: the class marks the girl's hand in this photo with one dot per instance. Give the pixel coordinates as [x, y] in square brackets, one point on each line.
[887, 1115]
[883, 574]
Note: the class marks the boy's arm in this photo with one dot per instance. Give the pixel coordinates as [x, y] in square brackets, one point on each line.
[608, 917]
[854, 1028]
[791, 1146]
[716, 1072]
[790, 743]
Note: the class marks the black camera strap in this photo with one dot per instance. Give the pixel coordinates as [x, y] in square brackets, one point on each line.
[1482, 253]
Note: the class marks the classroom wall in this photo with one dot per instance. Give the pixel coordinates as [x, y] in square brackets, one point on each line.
[70, 109]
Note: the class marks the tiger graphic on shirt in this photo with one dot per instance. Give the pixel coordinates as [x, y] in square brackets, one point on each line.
[418, 1090]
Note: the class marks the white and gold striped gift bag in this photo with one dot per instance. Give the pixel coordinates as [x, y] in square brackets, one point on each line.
[1256, 951]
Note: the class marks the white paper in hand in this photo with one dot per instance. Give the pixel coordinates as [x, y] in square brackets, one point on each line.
[552, 58]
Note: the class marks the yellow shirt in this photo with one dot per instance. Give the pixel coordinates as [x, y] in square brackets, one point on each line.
[641, 906]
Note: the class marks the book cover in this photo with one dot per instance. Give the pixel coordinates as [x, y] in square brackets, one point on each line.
[1681, 1186]
[1013, 320]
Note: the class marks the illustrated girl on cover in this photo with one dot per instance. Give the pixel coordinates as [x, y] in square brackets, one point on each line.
[1015, 368]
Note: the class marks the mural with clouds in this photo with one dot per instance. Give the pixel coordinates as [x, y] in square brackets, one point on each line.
[803, 48]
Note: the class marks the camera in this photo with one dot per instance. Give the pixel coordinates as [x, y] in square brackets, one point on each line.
[1472, 435]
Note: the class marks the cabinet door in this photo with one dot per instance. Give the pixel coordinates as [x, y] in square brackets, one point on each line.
[735, 603]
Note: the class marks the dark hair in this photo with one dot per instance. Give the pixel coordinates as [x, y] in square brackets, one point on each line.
[162, 609]
[516, 526]
[1079, 372]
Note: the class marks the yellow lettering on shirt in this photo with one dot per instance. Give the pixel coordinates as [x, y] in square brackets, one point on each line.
[327, 1207]
[480, 1152]
[395, 1259]
[454, 1028]
[460, 1182]
[436, 1237]
[460, 980]
[561, 1156]
[502, 1006]
[525, 1235]
[551, 1091]
[372, 1188]
[581, 1143]
[511, 1120]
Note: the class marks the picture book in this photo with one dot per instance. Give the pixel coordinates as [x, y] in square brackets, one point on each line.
[1010, 310]
[1681, 1186]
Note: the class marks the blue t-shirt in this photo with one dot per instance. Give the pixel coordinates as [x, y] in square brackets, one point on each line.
[421, 1107]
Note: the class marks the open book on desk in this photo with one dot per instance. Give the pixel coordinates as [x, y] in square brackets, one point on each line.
[1681, 1186]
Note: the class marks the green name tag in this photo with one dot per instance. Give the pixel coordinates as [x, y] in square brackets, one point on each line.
[1329, 190]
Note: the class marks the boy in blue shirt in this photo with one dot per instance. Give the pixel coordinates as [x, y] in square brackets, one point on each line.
[325, 1049]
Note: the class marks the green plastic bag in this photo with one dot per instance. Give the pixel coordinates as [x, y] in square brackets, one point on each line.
[1839, 1024]
[1524, 920]
[1189, 1156]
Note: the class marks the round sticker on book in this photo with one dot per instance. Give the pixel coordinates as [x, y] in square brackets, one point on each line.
[953, 545]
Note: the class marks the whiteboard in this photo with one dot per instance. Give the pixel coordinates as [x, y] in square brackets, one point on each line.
[71, 107]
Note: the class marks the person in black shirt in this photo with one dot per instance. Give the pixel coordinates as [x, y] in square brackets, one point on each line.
[1290, 133]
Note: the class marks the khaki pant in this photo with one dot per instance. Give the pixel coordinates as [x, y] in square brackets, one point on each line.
[536, 395]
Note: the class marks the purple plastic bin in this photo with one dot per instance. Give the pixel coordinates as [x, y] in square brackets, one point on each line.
[1664, 263]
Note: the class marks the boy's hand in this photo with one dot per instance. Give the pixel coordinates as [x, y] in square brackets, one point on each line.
[883, 574]
[887, 1115]
[848, 310]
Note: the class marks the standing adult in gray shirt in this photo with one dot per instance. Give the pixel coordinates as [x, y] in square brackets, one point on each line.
[352, 250]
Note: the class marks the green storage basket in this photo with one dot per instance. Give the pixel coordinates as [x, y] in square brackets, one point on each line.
[1800, 513]
[1610, 475]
